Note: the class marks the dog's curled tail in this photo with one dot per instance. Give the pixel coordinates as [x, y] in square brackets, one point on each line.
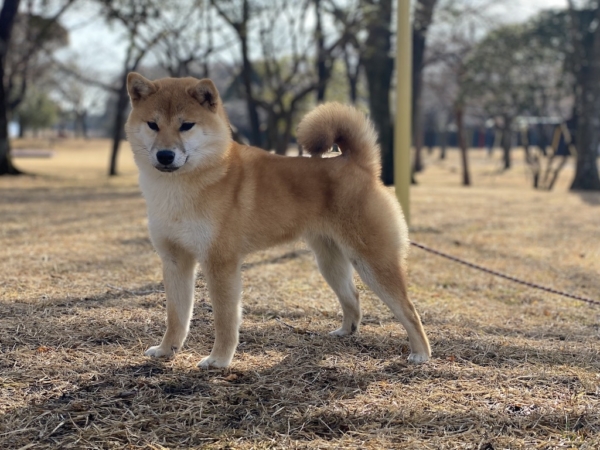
[334, 123]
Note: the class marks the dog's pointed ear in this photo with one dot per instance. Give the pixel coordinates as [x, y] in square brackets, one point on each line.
[206, 93]
[139, 87]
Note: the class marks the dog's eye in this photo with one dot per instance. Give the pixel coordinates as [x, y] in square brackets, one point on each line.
[185, 126]
[153, 126]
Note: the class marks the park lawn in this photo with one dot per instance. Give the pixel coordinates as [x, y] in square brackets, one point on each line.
[81, 299]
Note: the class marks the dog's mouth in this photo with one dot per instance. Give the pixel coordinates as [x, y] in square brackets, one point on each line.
[167, 169]
[170, 168]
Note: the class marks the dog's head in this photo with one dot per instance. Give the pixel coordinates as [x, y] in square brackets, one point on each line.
[176, 124]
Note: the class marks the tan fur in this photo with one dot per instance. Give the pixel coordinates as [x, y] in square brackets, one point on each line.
[225, 200]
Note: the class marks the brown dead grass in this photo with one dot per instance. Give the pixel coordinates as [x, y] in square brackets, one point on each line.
[81, 298]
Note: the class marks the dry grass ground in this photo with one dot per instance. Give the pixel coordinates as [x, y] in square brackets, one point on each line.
[81, 298]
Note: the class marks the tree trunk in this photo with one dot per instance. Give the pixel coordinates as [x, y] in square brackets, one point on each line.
[586, 170]
[422, 20]
[462, 143]
[507, 142]
[7, 17]
[536, 170]
[418, 144]
[587, 101]
[283, 140]
[255, 137]
[352, 74]
[242, 30]
[322, 67]
[379, 66]
[6, 165]
[271, 135]
[353, 88]
[119, 123]
[444, 138]
[84, 127]
[21, 127]
[562, 164]
[76, 129]
[380, 114]
[444, 144]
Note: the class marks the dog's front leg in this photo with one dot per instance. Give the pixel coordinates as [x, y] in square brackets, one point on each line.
[224, 286]
[178, 275]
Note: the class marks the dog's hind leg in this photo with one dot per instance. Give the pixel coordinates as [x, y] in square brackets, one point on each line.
[224, 282]
[337, 271]
[383, 273]
[178, 275]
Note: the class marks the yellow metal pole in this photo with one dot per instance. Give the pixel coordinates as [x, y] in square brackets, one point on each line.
[402, 132]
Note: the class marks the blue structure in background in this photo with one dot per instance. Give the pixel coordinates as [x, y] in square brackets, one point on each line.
[13, 129]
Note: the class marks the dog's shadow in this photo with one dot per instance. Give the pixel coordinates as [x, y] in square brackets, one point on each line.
[301, 396]
[289, 378]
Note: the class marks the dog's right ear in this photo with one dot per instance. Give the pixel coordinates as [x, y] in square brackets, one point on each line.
[205, 92]
[139, 87]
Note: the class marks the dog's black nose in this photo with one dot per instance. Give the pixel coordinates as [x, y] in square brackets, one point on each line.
[165, 157]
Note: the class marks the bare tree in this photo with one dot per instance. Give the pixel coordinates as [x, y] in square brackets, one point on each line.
[586, 64]
[39, 35]
[36, 35]
[452, 39]
[8, 13]
[286, 66]
[287, 81]
[423, 16]
[547, 163]
[348, 16]
[459, 114]
[190, 40]
[324, 62]
[440, 90]
[371, 50]
[352, 65]
[497, 78]
[77, 97]
[378, 65]
[141, 22]
[230, 10]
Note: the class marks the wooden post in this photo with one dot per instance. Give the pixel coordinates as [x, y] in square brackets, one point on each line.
[402, 133]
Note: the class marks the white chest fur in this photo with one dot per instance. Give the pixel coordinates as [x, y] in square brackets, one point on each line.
[175, 215]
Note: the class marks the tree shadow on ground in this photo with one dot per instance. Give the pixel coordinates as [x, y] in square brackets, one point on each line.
[68, 195]
[591, 198]
[155, 403]
[304, 394]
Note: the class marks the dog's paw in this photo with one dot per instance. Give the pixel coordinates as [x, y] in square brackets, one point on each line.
[160, 352]
[418, 358]
[345, 331]
[211, 362]
[341, 332]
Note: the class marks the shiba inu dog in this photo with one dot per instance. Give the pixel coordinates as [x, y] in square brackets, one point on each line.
[212, 201]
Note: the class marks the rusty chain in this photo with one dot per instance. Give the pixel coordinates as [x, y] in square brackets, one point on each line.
[506, 277]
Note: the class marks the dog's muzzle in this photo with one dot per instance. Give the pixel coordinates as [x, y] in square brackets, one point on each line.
[165, 158]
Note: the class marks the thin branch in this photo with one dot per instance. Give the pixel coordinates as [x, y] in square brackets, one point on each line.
[80, 77]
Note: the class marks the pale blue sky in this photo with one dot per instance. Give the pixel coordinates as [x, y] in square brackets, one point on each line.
[100, 47]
